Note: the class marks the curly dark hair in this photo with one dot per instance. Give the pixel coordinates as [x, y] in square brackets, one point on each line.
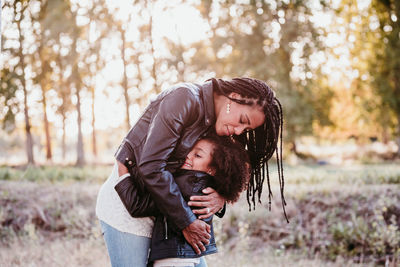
[232, 167]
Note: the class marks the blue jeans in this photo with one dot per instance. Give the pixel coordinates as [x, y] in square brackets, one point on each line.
[126, 250]
[202, 263]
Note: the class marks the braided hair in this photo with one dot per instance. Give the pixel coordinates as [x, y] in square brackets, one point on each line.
[261, 142]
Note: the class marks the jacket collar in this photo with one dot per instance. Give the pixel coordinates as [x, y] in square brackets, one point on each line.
[208, 102]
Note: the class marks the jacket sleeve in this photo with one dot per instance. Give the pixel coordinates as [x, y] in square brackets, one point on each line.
[176, 111]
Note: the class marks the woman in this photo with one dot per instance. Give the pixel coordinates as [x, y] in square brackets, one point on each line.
[157, 145]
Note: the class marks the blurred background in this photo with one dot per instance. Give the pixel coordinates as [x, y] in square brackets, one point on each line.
[76, 75]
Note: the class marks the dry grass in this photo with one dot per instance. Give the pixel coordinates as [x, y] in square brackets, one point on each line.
[266, 256]
[59, 252]
[52, 223]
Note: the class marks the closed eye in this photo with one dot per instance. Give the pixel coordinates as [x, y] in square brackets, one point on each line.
[244, 120]
[241, 120]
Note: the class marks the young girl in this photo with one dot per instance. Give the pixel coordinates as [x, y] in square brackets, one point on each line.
[213, 162]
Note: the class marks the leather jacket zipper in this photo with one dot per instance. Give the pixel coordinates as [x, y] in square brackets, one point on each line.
[175, 162]
[166, 228]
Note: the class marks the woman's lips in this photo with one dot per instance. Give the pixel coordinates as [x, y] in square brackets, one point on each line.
[227, 130]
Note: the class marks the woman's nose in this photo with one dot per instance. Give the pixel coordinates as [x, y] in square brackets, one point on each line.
[238, 130]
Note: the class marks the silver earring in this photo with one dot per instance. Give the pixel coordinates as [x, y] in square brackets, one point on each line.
[228, 108]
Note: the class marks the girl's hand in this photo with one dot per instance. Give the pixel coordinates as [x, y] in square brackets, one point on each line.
[212, 202]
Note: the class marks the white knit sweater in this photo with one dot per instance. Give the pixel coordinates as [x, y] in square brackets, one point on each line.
[111, 210]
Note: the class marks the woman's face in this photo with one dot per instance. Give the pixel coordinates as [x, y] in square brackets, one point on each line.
[199, 158]
[239, 119]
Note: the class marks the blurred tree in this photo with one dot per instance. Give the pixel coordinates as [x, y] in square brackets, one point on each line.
[42, 68]
[121, 27]
[375, 30]
[59, 46]
[99, 21]
[259, 39]
[135, 52]
[176, 57]
[75, 80]
[19, 21]
[85, 59]
[384, 65]
[64, 94]
[59, 42]
[8, 100]
[150, 6]
[129, 54]
[177, 62]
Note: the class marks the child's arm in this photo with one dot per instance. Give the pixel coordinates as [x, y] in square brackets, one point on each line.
[135, 198]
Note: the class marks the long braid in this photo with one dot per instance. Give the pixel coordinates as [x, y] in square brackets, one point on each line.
[281, 165]
[262, 142]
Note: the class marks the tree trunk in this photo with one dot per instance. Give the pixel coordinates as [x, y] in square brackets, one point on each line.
[180, 68]
[94, 144]
[43, 81]
[76, 80]
[385, 135]
[63, 107]
[63, 146]
[125, 80]
[43, 77]
[46, 125]
[157, 89]
[29, 140]
[398, 136]
[80, 152]
[294, 147]
[139, 100]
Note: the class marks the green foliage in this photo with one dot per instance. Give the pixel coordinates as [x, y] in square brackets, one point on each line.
[361, 175]
[376, 51]
[374, 235]
[8, 89]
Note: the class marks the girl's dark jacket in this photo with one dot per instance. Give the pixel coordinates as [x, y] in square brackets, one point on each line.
[159, 142]
[167, 241]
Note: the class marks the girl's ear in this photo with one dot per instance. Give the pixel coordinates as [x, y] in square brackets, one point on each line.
[211, 171]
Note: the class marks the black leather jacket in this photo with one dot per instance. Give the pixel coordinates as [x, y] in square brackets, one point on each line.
[159, 142]
[167, 241]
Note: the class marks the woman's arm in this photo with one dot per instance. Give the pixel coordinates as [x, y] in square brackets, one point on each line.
[175, 112]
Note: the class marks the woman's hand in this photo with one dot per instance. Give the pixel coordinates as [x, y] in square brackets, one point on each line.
[197, 234]
[212, 202]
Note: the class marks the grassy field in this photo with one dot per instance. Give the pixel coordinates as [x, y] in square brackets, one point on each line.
[339, 216]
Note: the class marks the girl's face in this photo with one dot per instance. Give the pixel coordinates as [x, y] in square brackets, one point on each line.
[199, 158]
[240, 118]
